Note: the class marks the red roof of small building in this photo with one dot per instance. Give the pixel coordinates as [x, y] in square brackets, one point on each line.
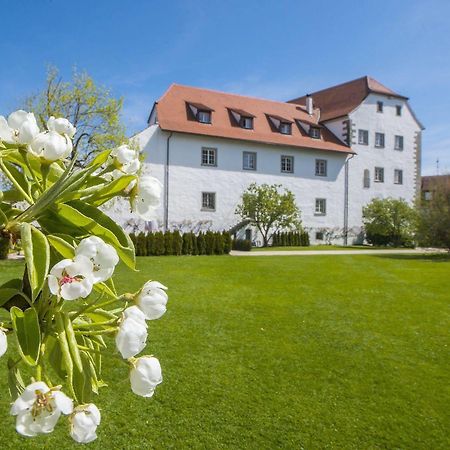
[340, 100]
[174, 114]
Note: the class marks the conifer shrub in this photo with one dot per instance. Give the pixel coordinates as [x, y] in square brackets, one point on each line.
[201, 243]
[141, 244]
[168, 243]
[226, 242]
[218, 243]
[177, 243]
[194, 244]
[244, 245]
[150, 244]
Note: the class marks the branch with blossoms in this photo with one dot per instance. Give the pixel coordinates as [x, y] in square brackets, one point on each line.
[66, 302]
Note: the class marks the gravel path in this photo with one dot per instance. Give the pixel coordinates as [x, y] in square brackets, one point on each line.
[411, 251]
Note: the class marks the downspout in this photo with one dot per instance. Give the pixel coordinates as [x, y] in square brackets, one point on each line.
[166, 184]
[346, 201]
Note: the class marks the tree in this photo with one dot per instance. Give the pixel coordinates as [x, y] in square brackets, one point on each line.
[434, 217]
[389, 222]
[88, 106]
[268, 209]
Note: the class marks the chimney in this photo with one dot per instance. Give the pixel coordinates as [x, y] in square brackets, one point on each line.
[309, 104]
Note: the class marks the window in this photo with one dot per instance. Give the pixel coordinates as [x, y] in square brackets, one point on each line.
[321, 167]
[379, 175]
[208, 201]
[249, 161]
[398, 176]
[285, 128]
[380, 107]
[363, 137]
[204, 116]
[246, 122]
[314, 132]
[398, 110]
[398, 143]
[379, 140]
[209, 156]
[321, 206]
[287, 164]
[319, 235]
[248, 234]
[427, 195]
[366, 179]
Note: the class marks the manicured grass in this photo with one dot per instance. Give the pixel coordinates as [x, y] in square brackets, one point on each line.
[322, 247]
[265, 353]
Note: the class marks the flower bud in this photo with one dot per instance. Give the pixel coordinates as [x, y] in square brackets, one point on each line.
[84, 422]
[3, 342]
[152, 300]
[132, 335]
[51, 146]
[20, 128]
[61, 126]
[147, 197]
[145, 376]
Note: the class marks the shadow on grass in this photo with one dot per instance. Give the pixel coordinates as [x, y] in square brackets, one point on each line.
[435, 258]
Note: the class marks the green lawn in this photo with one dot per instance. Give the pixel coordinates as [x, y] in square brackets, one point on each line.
[265, 353]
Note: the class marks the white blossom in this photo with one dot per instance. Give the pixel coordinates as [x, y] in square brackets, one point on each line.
[61, 126]
[38, 409]
[21, 127]
[145, 376]
[126, 160]
[132, 335]
[147, 197]
[71, 278]
[102, 255]
[51, 145]
[3, 342]
[84, 422]
[152, 300]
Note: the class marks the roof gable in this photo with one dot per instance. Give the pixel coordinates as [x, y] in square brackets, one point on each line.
[340, 100]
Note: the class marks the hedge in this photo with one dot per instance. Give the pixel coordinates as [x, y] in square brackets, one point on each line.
[290, 239]
[175, 243]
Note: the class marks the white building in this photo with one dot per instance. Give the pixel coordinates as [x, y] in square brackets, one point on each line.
[335, 150]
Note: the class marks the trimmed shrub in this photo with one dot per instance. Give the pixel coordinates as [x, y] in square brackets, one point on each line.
[187, 244]
[194, 244]
[168, 243]
[226, 242]
[210, 242]
[141, 244]
[4, 247]
[244, 245]
[158, 244]
[150, 244]
[218, 243]
[177, 243]
[201, 243]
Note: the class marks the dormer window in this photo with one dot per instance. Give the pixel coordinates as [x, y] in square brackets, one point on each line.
[314, 132]
[246, 122]
[204, 116]
[240, 118]
[285, 128]
[198, 112]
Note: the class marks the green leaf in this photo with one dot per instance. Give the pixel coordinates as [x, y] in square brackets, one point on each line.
[26, 325]
[55, 356]
[15, 381]
[82, 384]
[61, 243]
[37, 256]
[9, 289]
[72, 342]
[110, 190]
[99, 160]
[65, 351]
[93, 221]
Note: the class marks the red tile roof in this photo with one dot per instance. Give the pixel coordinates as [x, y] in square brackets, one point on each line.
[173, 115]
[338, 101]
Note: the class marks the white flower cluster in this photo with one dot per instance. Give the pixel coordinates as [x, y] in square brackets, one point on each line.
[38, 409]
[53, 144]
[94, 262]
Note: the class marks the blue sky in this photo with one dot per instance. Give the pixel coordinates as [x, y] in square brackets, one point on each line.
[273, 49]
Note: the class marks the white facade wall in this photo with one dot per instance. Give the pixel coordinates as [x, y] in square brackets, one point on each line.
[368, 156]
[187, 178]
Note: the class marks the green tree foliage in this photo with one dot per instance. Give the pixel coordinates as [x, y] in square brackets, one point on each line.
[434, 217]
[269, 209]
[389, 222]
[88, 106]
